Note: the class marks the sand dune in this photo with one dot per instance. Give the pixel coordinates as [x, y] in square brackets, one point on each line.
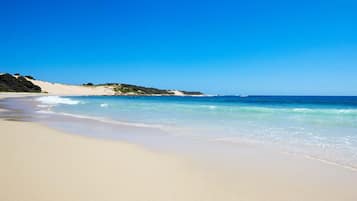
[64, 89]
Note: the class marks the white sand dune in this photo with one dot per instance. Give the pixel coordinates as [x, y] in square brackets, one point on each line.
[65, 89]
[177, 93]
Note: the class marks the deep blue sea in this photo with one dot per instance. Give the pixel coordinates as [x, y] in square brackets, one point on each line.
[320, 127]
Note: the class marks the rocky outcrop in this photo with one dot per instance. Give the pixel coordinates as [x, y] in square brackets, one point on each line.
[9, 83]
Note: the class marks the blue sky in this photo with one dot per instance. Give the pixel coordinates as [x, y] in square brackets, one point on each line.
[219, 47]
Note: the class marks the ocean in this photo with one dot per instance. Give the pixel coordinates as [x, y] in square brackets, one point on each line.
[320, 127]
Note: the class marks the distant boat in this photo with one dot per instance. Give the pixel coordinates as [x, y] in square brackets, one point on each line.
[243, 96]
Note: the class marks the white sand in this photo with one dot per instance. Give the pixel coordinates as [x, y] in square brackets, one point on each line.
[64, 89]
[177, 93]
[38, 164]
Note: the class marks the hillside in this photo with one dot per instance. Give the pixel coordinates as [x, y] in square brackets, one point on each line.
[9, 83]
[127, 89]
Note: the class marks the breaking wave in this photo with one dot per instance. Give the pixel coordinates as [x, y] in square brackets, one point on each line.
[55, 100]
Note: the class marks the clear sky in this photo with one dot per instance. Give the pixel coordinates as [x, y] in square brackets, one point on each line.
[218, 47]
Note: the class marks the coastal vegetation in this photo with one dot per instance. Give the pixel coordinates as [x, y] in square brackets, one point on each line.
[29, 77]
[135, 90]
[139, 90]
[9, 83]
[192, 93]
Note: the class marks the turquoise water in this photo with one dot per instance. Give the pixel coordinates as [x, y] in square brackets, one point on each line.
[321, 127]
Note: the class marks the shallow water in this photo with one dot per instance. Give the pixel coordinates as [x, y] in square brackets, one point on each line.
[324, 128]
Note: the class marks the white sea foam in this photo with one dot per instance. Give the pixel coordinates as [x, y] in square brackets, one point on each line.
[103, 105]
[347, 111]
[42, 106]
[45, 112]
[302, 110]
[212, 107]
[55, 100]
[325, 111]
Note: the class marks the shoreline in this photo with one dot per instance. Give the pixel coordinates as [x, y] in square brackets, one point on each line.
[41, 163]
[162, 128]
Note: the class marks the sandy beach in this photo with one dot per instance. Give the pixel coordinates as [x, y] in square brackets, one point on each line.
[40, 163]
[178, 100]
